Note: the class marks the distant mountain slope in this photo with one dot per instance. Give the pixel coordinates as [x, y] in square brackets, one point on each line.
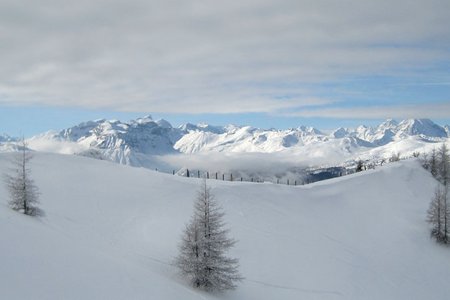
[141, 142]
[133, 143]
[363, 142]
[6, 138]
[248, 139]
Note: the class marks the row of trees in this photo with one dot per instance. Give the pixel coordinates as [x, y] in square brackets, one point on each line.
[438, 163]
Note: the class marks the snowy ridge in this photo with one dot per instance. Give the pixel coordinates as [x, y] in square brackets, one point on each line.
[146, 143]
[248, 139]
[113, 231]
[4, 138]
[133, 143]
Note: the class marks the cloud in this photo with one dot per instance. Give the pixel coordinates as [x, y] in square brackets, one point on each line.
[229, 162]
[258, 162]
[209, 56]
[428, 110]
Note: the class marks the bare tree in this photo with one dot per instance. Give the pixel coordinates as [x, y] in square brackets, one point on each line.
[204, 243]
[439, 215]
[22, 189]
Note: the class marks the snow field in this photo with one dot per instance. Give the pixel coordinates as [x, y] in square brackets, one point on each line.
[111, 232]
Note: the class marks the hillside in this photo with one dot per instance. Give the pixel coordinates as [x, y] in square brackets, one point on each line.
[111, 231]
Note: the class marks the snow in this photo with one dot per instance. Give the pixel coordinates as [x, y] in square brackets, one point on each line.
[422, 127]
[152, 144]
[6, 138]
[111, 232]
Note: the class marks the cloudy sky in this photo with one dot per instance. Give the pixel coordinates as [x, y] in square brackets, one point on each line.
[271, 63]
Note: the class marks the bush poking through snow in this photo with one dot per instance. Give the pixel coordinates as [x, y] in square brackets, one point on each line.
[204, 243]
[394, 157]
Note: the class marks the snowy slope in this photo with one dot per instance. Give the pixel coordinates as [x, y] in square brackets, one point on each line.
[111, 231]
[247, 139]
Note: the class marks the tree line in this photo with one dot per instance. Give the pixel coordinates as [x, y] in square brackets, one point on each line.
[438, 214]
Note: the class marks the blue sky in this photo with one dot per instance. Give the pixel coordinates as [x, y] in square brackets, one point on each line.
[280, 63]
[29, 121]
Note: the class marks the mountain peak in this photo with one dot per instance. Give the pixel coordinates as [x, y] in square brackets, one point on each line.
[340, 133]
[388, 124]
[205, 127]
[144, 120]
[164, 123]
[424, 127]
[309, 130]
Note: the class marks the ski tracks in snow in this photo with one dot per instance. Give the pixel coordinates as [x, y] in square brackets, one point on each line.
[303, 290]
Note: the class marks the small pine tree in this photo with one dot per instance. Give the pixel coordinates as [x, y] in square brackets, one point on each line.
[433, 163]
[359, 166]
[443, 168]
[439, 215]
[23, 191]
[204, 243]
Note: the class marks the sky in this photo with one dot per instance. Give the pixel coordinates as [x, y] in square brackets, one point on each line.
[272, 63]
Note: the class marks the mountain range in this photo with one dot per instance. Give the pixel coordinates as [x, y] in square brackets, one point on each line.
[142, 142]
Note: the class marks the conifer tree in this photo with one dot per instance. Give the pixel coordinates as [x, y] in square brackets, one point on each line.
[433, 164]
[443, 169]
[359, 166]
[439, 211]
[439, 215]
[204, 245]
[22, 189]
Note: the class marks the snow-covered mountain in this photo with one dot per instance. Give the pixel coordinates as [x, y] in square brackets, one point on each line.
[134, 143]
[357, 141]
[144, 141]
[247, 139]
[424, 128]
[6, 138]
[8, 143]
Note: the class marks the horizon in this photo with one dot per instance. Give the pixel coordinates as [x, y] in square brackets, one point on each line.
[277, 64]
[68, 119]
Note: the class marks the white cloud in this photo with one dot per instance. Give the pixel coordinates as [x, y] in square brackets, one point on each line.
[253, 162]
[428, 110]
[215, 56]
